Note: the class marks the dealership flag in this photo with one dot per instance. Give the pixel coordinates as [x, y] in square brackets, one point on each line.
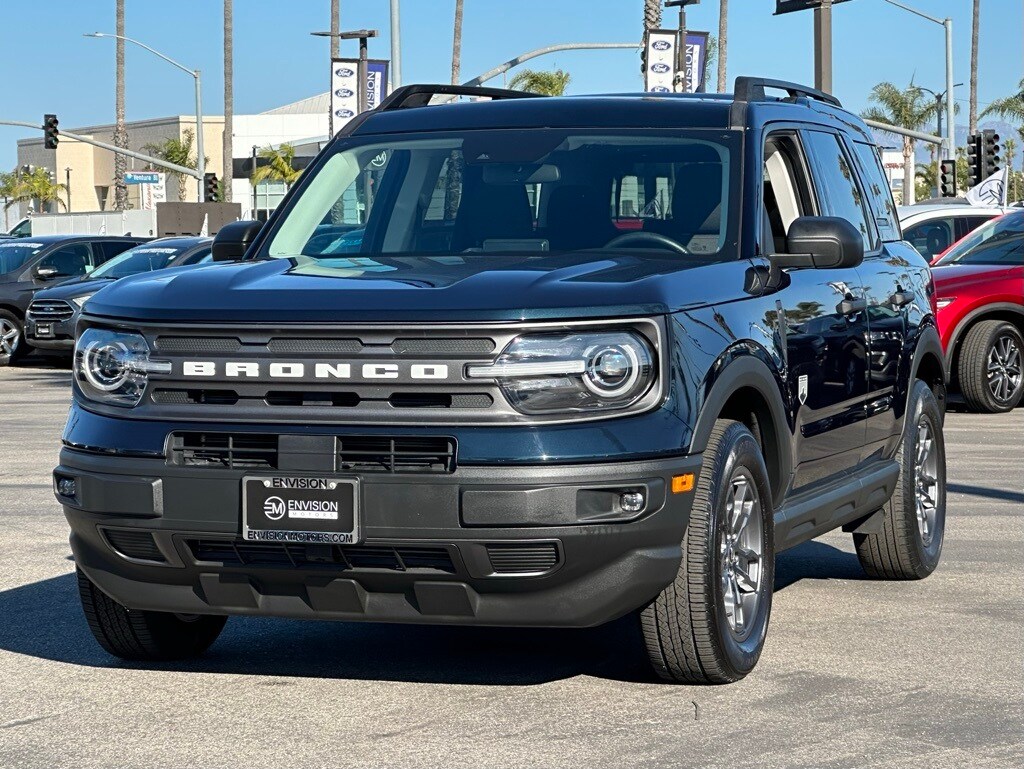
[991, 192]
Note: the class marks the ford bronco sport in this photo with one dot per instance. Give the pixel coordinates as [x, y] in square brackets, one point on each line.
[522, 361]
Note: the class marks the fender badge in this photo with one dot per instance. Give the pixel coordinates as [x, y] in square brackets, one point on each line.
[801, 389]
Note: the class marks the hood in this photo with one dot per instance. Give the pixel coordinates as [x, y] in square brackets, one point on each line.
[73, 288]
[478, 287]
[954, 276]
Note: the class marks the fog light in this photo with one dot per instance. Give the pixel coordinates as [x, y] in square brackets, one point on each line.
[632, 501]
[67, 487]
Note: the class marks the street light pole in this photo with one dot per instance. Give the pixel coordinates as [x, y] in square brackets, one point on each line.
[947, 24]
[197, 76]
[67, 184]
[823, 46]
[396, 45]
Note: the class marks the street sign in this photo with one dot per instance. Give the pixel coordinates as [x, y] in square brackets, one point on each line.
[789, 6]
[344, 93]
[142, 177]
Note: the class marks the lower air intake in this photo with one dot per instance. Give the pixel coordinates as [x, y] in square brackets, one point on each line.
[134, 544]
[532, 558]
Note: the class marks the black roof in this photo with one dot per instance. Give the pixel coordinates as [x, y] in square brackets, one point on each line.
[50, 239]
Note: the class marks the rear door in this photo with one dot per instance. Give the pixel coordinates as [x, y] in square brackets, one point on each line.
[104, 250]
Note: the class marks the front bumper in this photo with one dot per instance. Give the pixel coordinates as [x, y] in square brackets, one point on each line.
[428, 550]
[60, 337]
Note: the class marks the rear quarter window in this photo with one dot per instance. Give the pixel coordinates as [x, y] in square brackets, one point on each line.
[879, 195]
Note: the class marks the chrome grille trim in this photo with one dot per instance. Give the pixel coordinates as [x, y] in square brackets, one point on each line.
[50, 310]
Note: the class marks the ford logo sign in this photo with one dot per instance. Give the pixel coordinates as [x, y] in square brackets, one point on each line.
[344, 72]
[660, 69]
[344, 93]
[661, 45]
[344, 113]
[660, 89]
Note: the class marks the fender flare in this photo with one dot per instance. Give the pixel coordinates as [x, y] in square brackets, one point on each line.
[928, 342]
[969, 319]
[748, 370]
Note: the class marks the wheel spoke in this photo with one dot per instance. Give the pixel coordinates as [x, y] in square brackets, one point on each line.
[744, 583]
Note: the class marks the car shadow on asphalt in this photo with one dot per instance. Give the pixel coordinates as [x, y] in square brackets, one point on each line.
[44, 620]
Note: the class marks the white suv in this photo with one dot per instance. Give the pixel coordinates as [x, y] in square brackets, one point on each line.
[933, 227]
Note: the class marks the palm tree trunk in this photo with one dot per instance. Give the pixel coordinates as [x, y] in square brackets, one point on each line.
[974, 67]
[909, 172]
[335, 28]
[457, 44]
[723, 43]
[652, 15]
[229, 99]
[120, 131]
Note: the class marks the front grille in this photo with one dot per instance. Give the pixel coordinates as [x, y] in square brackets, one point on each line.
[532, 558]
[134, 544]
[187, 345]
[342, 557]
[223, 450]
[368, 454]
[51, 310]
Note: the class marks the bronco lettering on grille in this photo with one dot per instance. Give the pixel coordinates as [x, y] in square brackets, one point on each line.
[204, 369]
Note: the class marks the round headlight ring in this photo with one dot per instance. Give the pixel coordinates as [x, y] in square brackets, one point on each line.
[612, 370]
[105, 365]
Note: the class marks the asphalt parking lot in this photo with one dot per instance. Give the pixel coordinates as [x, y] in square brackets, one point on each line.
[856, 673]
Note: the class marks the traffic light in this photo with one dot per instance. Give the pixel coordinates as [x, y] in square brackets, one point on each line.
[947, 179]
[210, 185]
[974, 160]
[991, 162]
[50, 133]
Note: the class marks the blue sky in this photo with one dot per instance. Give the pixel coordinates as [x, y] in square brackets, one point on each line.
[49, 67]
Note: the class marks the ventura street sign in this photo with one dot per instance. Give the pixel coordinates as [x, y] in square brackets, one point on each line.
[142, 177]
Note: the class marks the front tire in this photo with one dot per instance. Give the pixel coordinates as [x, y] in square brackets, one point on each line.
[914, 519]
[12, 338]
[709, 625]
[145, 636]
[991, 367]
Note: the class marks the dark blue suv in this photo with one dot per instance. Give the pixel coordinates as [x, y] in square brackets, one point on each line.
[587, 357]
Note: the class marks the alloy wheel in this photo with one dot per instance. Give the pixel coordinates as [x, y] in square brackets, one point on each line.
[926, 481]
[1005, 370]
[742, 554]
[10, 337]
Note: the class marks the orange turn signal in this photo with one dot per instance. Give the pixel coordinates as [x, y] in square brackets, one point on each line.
[682, 483]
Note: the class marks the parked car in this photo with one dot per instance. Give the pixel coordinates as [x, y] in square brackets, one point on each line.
[505, 408]
[979, 285]
[932, 228]
[30, 264]
[53, 313]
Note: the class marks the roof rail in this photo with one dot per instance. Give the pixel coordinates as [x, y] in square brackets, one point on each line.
[750, 89]
[409, 96]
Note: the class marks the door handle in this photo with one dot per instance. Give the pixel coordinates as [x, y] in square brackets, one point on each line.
[901, 298]
[852, 305]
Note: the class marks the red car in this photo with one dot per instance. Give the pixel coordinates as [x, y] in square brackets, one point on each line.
[979, 285]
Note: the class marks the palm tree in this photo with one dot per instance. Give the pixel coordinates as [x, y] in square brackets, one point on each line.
[910, 108]
[335, 28]
[120, 130]
[652, 15]
[974, 67]
[38, 187]
[278, 166]
[177, 150]
[723, 43]
[229, 100]
[457, 44]
[546, 83]
[1009, 108]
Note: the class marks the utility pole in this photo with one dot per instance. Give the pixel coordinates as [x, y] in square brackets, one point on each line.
[67, 184]
[396, 44]
[335, 28]
[682, 84]
[823, 46]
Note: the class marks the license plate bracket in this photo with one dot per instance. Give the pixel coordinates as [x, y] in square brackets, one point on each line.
[300, 509]
[44, 329]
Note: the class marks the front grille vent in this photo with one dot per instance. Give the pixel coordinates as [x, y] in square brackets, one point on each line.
[53, 310]
[188, 345]
[368, 454]
[290, 346]
[296, 555]
[532, 558]
[429, 347]
[134, 544]
[226, 450]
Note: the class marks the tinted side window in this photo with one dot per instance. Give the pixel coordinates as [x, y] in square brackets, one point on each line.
[838, 184]
[108, 249]
[201, 255]
[879, 193]
[965, 225]
[70, 261]
[931, 238]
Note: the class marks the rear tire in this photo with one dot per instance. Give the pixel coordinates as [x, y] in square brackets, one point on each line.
[12, 338]
[914, 519]
[990, 367]
[693, 631]
[146, 636]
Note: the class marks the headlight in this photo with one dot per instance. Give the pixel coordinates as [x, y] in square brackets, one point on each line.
[559, 373]
[114, 366]
[81, 300]
[945, 301]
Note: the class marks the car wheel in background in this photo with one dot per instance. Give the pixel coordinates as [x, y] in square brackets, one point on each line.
[12, 338]
[991, 366]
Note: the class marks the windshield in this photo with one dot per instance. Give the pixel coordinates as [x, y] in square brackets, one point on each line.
[1000, 241]
[14, 254]
[139, 259]
[525, 192]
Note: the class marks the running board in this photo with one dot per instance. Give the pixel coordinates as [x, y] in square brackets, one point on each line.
[813, 513]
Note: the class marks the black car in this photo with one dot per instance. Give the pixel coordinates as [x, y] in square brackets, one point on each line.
[53, 313]
[588, 358]
[30, 264]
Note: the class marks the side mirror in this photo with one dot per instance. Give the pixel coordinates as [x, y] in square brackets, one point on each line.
[823, 243]
[46, 273]
[232, 241]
